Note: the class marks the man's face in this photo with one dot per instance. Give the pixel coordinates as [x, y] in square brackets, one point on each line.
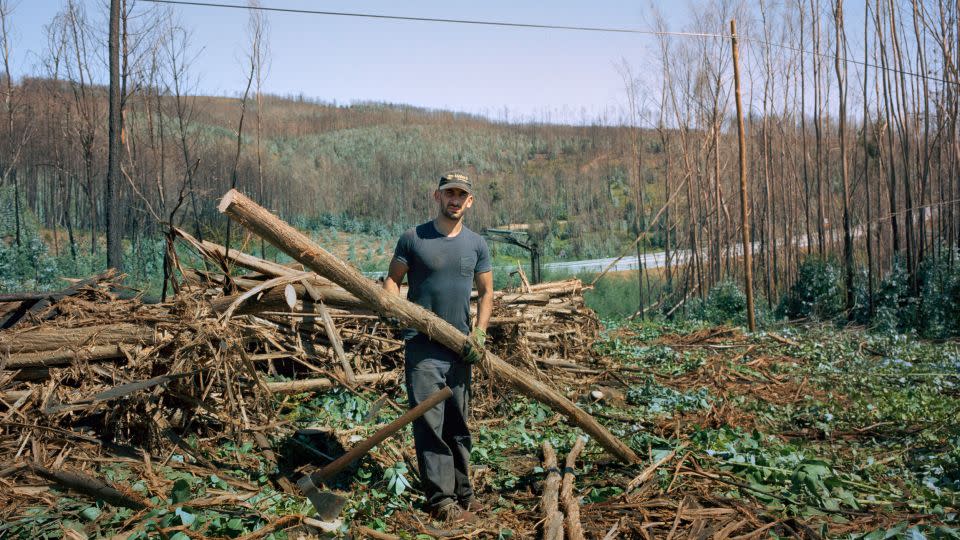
[453, 202]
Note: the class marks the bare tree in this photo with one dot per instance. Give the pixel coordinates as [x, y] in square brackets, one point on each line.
[111, 204]
[14, 141]
[840, 66]
[259, 28]
[177, 48]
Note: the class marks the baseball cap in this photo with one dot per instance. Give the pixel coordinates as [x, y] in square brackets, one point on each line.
[455, 179]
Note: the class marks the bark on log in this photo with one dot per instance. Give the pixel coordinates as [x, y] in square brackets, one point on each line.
[313, 385]
[571, 506]
[552, 517]
[50, 338]
[300, 247]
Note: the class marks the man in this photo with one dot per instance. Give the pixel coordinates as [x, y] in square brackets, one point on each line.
[443, 259]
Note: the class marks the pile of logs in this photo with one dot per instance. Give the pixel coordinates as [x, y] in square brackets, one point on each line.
[93, 372]
[209, 361]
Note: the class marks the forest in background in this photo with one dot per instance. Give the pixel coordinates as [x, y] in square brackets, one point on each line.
[851, 140]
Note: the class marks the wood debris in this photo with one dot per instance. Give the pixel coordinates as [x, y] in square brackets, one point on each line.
[92, 374]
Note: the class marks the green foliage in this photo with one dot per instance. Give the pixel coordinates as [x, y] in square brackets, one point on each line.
[886, 405]
[726, 303]
[656, 399]
[939, 310]
[894, 307]
[933, 311]
[817, 293]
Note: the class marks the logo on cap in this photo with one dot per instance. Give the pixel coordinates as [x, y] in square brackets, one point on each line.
[456, 179]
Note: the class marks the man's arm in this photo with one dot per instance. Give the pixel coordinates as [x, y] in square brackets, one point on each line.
[484, 283]
[395, 274]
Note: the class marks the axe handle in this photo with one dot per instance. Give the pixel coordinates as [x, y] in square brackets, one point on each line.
[386, 431]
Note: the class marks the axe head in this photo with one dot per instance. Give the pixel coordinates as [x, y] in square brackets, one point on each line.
[327, 504]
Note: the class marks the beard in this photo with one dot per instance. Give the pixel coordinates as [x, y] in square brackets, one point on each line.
[452, 213]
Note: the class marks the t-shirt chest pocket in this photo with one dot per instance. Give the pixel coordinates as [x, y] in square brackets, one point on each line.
[467, 264]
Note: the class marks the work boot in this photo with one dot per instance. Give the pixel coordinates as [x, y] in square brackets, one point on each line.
[452, 514]
[472, 504]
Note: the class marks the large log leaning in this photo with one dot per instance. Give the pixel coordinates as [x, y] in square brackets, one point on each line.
[259, 220]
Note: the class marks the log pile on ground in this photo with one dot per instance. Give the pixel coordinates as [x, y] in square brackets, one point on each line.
[93, 373]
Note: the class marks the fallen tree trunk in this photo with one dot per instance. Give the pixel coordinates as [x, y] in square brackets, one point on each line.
[259, 220]
[273, 299]
[217, 252]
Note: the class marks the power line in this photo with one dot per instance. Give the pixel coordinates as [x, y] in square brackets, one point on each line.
[440, 20]
[842, 59]
[602, 29]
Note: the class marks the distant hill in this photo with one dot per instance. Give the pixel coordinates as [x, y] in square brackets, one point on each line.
[373, 163]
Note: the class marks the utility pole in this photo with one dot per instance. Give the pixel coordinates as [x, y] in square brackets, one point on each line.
[114, 245]
[744, 199]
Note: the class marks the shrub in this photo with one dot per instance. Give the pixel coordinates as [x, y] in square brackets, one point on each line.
[938, 315]
[894, 307]
[817, 293]
[726, 303]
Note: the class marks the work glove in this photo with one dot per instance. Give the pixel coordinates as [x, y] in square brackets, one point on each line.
[391, 321]
[480, 336]
[473, 352]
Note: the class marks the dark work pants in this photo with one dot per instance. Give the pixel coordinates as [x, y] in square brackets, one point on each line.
[441, 435]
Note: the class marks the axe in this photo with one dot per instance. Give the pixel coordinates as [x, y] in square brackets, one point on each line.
[329, 504]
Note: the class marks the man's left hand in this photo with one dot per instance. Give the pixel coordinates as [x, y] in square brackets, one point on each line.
[472, 352]
[480, 336]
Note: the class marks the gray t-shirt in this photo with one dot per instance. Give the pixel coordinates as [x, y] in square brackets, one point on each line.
[441, 271]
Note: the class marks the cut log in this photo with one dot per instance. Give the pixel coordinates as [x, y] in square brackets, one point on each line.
[12, 396]
[314, 385]
[552, 517]
[260, 221]
[49, 338]
[62, 357]
[571, 506]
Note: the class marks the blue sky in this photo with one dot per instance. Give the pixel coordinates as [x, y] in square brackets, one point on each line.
[468, 68]
[553, 75]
